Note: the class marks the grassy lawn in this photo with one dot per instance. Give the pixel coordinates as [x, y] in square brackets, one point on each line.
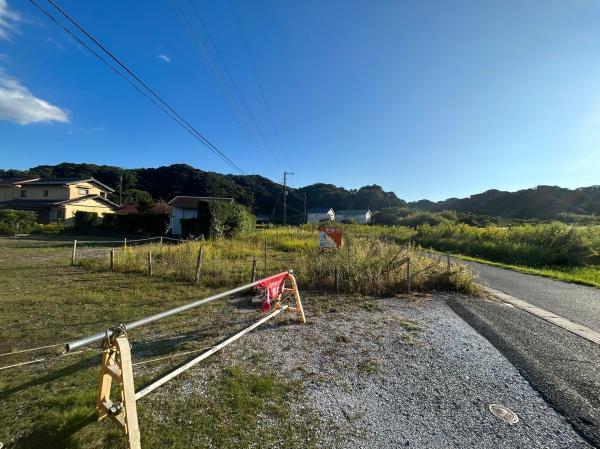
[587, 275]
[44, 300]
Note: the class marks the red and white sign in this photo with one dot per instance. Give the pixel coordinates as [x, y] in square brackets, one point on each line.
[330, 237]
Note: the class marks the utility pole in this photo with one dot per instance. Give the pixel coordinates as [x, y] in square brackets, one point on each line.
[285, 175]
[121, 190]
[305, 216]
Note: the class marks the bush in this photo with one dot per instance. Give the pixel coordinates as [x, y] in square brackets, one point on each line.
[217, 219]
[390, 215]
[532, 245]
[16, 221]
[85, 220]
[422, 217]
[52, 228]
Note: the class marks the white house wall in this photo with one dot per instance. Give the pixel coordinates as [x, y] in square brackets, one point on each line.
[178, 214]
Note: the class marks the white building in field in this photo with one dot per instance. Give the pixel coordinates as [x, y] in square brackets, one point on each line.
[361, 216]
[317, 214]
[187, 207]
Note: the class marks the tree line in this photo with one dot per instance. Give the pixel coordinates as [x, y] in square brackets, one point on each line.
[264, 197]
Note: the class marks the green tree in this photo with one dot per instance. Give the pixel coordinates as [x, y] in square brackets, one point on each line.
[16, 221]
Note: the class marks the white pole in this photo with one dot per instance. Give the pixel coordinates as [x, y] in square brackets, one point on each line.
[150, 388]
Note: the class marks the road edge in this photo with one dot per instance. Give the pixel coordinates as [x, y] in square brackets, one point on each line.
[558, 320]
[531, 370]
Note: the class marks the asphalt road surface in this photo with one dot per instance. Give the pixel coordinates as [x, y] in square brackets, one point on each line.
[562, 366]
[578, 303]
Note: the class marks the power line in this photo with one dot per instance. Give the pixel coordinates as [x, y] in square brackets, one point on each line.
[257, 78]
[222, 87]
[146, 91]
[232, 80]
[172, 112]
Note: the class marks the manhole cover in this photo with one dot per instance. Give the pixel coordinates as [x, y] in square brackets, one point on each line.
[503, 413]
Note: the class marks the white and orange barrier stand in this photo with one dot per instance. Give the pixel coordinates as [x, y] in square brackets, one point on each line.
[116, 355]
[278, 289]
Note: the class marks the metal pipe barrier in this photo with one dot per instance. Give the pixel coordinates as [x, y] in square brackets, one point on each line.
[117, 366]
[159, 316]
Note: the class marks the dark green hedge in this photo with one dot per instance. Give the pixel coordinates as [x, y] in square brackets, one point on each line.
[217, 219]
[85, 220]
[153, 224]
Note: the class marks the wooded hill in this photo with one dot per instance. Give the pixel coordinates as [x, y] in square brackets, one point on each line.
[264, 196]
[543, 202]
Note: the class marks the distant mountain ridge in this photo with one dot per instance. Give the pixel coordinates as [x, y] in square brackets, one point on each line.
[543, 202]
[264, 196]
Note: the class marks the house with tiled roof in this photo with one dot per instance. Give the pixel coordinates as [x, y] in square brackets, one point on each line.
[56, 200]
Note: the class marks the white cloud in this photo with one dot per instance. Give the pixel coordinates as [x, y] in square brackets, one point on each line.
[8, 20]
[19, 105]
[159, 56]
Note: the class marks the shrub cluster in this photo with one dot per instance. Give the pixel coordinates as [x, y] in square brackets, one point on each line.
[16, 221]
[85, 220]
[51, 228]
[152, 224]
[217, 219]
[532, 245]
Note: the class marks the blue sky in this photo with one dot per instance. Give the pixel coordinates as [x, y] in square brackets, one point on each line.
[430, 99]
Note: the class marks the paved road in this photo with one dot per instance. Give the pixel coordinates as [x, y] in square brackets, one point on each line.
[578, 303]
[562, 366]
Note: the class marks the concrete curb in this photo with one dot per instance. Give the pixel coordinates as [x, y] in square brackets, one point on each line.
[562, 322]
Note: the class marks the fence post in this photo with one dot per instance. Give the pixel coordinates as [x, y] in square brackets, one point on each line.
[448, 260]
[150, 263]
[199, 265]
[265, 256]
[74, 251]
[337, 280]
[124, 242]
[112, 260]
[254, 269]
[408, 275]
[161, 239]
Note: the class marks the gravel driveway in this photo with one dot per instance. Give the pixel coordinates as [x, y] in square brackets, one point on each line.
[392, 373]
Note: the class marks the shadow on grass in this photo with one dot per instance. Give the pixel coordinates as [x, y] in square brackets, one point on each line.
[55, 436]
[52, 375]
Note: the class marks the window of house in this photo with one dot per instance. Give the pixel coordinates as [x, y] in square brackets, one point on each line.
[57, 215]
[23, 193]
[45, 194]
[83, 192]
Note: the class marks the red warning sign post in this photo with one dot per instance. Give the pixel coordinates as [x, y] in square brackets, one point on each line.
[329, 238]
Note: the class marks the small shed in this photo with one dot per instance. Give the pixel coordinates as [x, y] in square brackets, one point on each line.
[187, 207]
[361, 216]
[317, 214]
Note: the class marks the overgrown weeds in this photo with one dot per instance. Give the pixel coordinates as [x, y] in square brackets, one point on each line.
[368, 262]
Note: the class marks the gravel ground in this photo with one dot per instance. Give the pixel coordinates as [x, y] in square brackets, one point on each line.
[392, 373]
[579, 303]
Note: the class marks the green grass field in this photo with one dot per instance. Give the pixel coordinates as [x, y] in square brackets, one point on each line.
[49, 405]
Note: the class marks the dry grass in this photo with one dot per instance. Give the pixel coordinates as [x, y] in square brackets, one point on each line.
[367, 263]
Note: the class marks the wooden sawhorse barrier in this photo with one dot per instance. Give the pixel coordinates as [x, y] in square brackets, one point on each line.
[116, 365]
